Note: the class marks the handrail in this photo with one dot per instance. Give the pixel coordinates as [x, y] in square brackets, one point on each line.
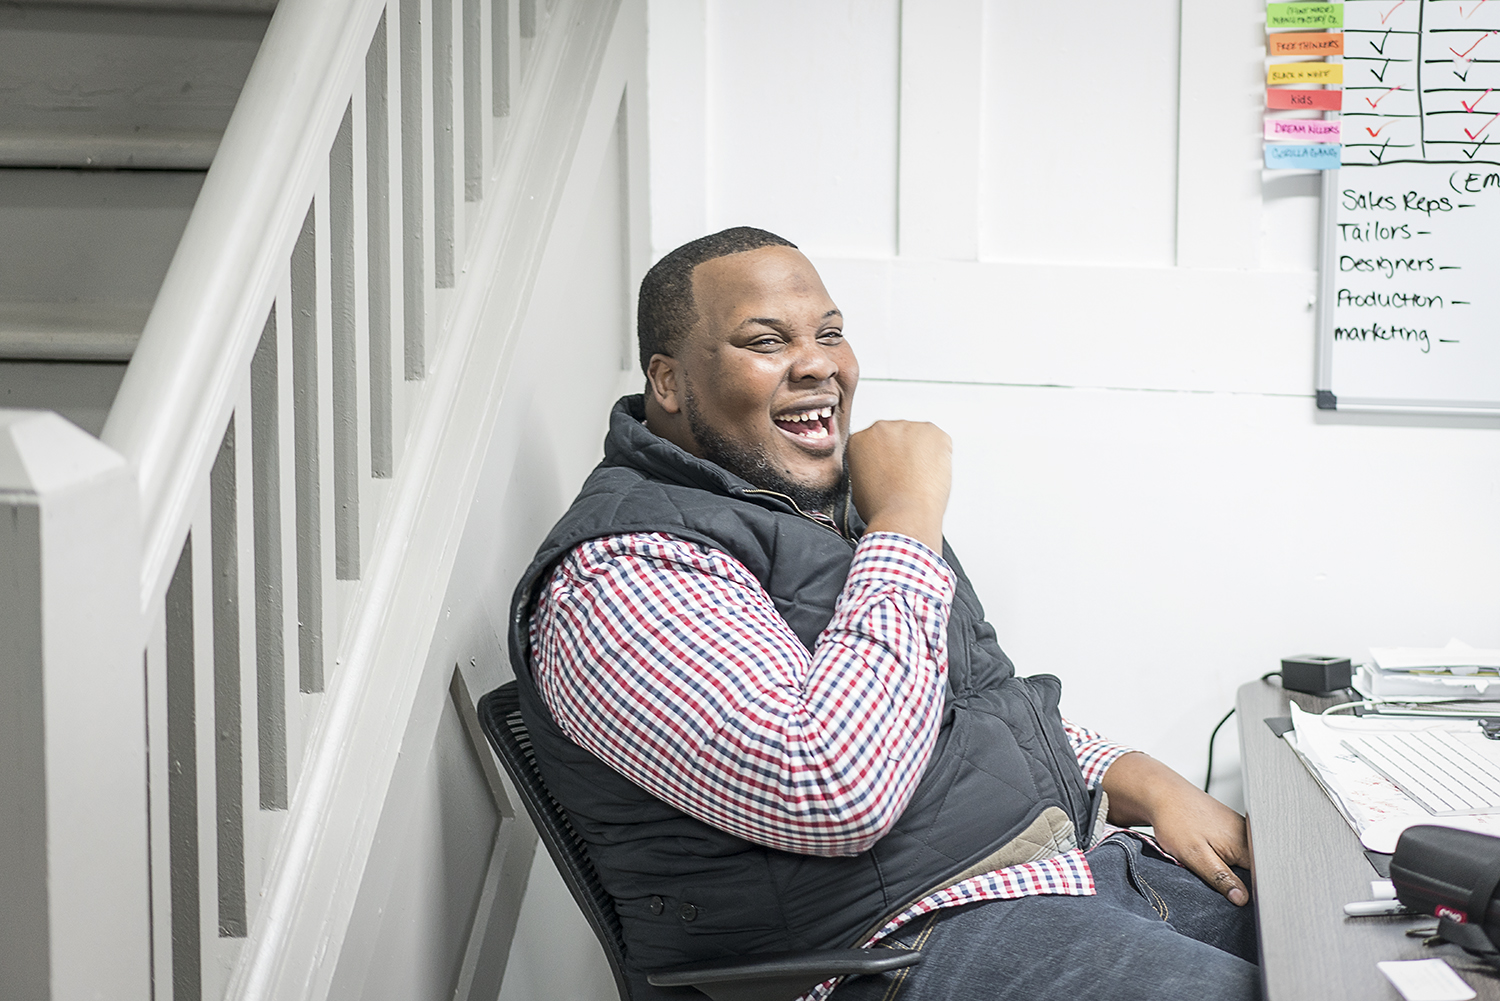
[175, 400]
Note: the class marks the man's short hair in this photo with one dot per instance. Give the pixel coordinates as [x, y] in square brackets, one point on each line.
[665, 312]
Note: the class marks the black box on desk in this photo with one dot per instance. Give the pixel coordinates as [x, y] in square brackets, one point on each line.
[1315, 674]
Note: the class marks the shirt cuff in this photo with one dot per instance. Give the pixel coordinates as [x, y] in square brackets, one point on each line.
[1096, 757]
[893, 560]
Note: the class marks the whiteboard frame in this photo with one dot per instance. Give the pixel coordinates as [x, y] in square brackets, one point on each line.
[1326, 398]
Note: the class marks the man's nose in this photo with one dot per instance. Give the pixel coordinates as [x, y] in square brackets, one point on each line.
[814, 361]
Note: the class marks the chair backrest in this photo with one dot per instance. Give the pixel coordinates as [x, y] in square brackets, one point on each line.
[500, 718]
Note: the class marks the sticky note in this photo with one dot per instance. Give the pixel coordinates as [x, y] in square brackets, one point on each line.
[1304, 15]
[1304, 100]
[1288, 156]
[1307, 43]
[1305, 73]
[1308, 130]
[1426, 980]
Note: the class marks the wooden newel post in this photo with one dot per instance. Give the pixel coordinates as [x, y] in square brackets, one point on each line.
[74, 890]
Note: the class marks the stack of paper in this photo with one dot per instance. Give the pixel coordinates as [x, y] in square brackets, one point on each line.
[1371, 803]
[1456, 671]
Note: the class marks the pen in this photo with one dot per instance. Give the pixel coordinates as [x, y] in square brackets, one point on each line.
[1373, 908]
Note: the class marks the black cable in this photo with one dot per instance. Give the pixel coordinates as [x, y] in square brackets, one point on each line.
[1208, 773]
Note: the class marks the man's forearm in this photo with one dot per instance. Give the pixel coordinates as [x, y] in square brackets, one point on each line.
[1137, 784]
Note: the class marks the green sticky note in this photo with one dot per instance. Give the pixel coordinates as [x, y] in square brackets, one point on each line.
[1304, 15]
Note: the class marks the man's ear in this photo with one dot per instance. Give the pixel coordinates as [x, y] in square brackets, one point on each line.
[664, 380]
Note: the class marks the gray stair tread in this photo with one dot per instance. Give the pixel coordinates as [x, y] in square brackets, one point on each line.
[90, 235]
[70, 331]
[81, 392]
[124, 86]
[144, 148]
[217, 6]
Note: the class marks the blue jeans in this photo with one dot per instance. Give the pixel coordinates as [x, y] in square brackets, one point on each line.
[1154, 931]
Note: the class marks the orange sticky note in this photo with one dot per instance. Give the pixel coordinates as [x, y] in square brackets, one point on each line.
[1307, 43]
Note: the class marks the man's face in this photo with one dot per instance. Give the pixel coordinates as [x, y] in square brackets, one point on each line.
[767, 378]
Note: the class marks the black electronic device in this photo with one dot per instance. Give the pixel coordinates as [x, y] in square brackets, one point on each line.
[1316, 674]
[1452, 875]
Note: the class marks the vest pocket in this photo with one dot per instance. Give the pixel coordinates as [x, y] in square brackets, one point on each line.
[728, 908]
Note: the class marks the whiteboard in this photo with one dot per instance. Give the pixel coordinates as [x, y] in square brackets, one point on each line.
[1409, 315]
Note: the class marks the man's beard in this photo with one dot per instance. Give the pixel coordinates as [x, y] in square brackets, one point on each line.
[753, 464]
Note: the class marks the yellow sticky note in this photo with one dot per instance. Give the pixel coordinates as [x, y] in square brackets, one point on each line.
[1305, 73]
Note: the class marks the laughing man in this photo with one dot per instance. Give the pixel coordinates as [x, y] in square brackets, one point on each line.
[765, 692]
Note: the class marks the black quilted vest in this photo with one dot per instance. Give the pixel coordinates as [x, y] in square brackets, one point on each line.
[687, 891]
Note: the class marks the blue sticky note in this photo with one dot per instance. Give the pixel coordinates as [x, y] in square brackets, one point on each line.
[1305, 156]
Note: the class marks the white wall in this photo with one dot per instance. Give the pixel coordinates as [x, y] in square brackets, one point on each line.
[1052, 236]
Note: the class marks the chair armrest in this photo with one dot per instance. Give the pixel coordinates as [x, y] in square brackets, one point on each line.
[780, 976]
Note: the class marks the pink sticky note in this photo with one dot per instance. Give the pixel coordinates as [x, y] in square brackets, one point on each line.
[1302, 129]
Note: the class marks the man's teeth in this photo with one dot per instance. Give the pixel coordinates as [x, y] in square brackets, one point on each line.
[811, 415]
[815, 429]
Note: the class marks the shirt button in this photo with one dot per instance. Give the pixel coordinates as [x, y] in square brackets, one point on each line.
[687, 912]
[657, 905]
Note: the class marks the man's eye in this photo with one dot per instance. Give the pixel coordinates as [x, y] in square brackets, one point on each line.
[832, 335]
[765, 342]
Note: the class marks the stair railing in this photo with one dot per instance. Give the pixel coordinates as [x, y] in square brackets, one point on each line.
[304, 417]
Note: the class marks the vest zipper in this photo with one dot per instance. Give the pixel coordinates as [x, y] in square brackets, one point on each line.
[796, 507]
[1057, 769]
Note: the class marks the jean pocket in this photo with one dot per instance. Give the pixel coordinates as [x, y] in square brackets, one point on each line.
[1136, 873]
[909, 939]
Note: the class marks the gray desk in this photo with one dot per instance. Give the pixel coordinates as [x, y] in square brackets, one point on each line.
[1306, 865]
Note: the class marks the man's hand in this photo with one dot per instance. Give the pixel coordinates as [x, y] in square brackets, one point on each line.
[1200, 832]
[900, 473]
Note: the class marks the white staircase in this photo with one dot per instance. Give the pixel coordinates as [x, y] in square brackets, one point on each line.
[370, 352]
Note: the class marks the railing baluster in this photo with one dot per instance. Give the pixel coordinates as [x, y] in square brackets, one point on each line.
[346, 553]
[500, 57]
[255, 833]
[414, 275]
[182, 781]
[228, 770]
[473, 102]
[443, 122]
[378, 216]
[306, 438]
[270, 661]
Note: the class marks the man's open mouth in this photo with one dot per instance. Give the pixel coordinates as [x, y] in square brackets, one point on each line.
[814, 425]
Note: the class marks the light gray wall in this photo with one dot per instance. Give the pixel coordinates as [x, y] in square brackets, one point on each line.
[1074, 263]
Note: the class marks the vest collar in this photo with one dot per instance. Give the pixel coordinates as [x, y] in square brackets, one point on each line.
[630, 443]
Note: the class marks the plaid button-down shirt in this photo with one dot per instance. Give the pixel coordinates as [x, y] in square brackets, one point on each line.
[669, 661]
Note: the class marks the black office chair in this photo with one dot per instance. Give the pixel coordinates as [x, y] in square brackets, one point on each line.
[781, 976]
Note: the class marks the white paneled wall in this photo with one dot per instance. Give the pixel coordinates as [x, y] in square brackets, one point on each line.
[1078, 167]
[1051, 234]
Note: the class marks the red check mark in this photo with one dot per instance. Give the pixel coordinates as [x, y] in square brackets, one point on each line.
[1481, 97]
[1475, 135]
[1390, 12]
[1382, 97]
[1465, 52]
[1376, 132]
[1472, 9]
